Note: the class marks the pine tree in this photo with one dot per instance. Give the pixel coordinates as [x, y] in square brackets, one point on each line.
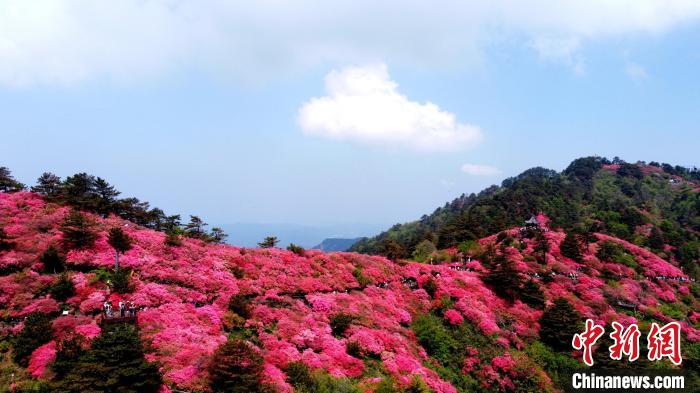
[78, 232]
[504, 278]
[235, 367]
[541, 248]
[105, 197]
[195, 228]
[49, 186]
[269, 242]
[217, 235]
[114, 363]
[532, 295]
[7, 182]
[655, 241]
[79, 191]
[571, 247]
[68, 353]
[172, 223]
[558, 325]
[36, 332]
[52, 260]
[121, 242]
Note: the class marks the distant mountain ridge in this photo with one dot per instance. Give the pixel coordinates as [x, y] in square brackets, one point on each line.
[336, 244]
[307, 236]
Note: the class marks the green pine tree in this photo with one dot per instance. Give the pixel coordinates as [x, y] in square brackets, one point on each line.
[7, 182]
[78, 231]
[571, 247]
[558, 325]
[532, 295]
[52, 260]
[121, 242]
[114, 363]
[36, 332]
[236, 367]
[504, 278]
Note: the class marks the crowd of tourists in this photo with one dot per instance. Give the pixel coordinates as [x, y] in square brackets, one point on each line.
[125, 309]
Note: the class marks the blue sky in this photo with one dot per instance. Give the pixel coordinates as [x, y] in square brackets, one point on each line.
[317, 115]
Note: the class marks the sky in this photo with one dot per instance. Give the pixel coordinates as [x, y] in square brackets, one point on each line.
[342, 113]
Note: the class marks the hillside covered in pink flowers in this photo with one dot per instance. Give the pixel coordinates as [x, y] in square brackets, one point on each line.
[466, 318]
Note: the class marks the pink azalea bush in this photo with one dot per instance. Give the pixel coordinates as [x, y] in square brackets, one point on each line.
[41, 358]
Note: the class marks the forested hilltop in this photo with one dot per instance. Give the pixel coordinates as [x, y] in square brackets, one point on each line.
[652, 205]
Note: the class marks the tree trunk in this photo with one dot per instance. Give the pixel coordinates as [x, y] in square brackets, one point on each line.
[116, 258]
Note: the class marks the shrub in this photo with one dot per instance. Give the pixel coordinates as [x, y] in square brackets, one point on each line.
[240, 304]
[387, 385]
[353, 348]
[470, 247]
[424, 250]
[430, 287]
[557, 365]
[417, 385]
[5, 242]
[299, 250]
[62, 289]
[299, 376]
[120, 281]
[434, 337]
[609, 250]
[340, 323]
[361, 279]
[304, 381]
[324, 383]
[237, 272]
[172, 239]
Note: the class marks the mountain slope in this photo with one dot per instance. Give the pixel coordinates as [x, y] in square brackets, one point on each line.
[363, 320]
[593, 194]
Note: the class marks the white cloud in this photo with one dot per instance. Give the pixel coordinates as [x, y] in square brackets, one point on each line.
[363, 105]
[563, 50]
[636, 71]
[73, 41]
[480, 170]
